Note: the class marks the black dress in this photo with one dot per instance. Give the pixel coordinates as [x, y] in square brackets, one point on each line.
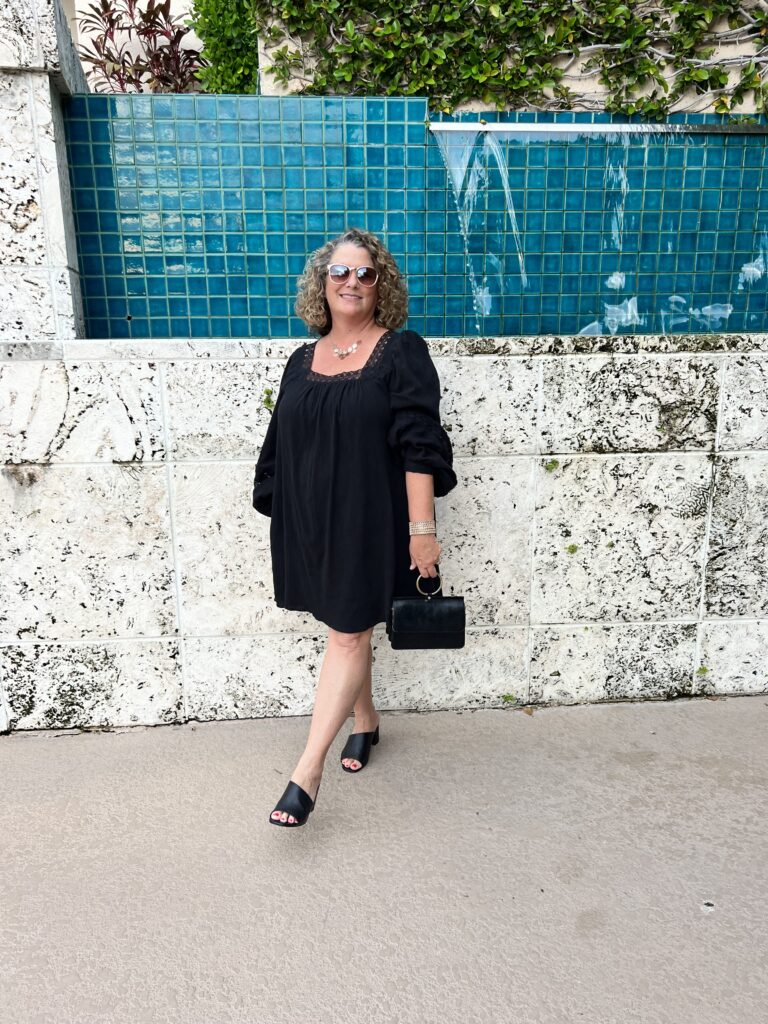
[331, 474]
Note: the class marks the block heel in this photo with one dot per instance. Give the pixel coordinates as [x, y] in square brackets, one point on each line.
[358, 746]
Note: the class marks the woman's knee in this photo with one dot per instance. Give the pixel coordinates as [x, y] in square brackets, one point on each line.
[350, 641]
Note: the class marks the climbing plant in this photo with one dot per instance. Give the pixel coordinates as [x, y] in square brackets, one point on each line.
[648, 55]
[228, 32]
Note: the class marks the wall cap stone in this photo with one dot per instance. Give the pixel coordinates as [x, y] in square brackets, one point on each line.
[35, 36]
[12, 350]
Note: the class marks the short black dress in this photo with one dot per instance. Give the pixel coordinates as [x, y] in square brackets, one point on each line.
[331, 474]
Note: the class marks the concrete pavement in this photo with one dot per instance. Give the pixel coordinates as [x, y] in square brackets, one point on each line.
[604, 864]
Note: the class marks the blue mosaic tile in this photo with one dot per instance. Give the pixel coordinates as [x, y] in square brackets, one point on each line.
[191, 208]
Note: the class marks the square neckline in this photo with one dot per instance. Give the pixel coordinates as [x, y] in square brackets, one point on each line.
[373, 358]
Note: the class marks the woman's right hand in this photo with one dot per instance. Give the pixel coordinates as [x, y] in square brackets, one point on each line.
[425, 553]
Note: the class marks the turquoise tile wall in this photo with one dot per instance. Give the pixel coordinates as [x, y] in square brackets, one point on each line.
[195, 214]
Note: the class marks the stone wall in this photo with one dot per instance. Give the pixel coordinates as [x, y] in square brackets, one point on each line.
[39, 281]
[608, 531]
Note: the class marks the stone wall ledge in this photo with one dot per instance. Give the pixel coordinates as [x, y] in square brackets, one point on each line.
[86, 401]
[12, 350]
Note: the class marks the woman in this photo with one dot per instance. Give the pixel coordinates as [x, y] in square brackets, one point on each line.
[353, 457]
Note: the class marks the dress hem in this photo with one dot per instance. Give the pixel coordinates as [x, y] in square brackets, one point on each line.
[357, 629]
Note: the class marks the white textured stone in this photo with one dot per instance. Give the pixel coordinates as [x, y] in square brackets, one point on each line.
[80, 412]
[5, 721]
[60, 197]
[737, 568]
[585, 345]
[638, 525]
[53, 179]
[20, 351]
[100, 536]
[744, 419]
[489, 403]
[67, 301]
[46, 11]
[443, 349]
[39, 283]
[26, 305]
[222, 547]
[176, 348]
[251, 677]
[35, 36]
[59, 49]
[629, 402]
[484, 528]
[491, 666]
[216, 408]
[87, 553]
[71, 685]
[20, 43]
[22, 228]
[575, 664]
[735, 656]
[274, 674]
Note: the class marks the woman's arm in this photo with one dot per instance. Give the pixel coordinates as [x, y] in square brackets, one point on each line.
[424, 548]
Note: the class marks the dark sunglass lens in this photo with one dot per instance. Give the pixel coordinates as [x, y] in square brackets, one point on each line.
[338, 271]
[367, 275]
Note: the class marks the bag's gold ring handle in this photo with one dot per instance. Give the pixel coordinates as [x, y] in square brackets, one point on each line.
[431, 592]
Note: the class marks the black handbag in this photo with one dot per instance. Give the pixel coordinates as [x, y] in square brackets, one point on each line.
[431, 621]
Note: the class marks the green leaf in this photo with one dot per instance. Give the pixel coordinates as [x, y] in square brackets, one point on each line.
[393, 49]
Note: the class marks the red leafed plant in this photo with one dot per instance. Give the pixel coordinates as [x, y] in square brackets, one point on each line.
[149, 56]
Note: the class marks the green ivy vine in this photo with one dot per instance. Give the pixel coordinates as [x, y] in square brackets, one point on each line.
[518, 54]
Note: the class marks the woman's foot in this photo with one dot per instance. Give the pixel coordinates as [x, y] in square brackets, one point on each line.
[309, 780]
[366, 724]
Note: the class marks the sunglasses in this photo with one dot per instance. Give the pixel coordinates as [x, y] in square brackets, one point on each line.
[339, 273]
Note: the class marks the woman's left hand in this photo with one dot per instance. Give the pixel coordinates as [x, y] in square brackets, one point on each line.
[425, 553]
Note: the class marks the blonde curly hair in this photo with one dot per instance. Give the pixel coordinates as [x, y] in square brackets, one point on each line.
[392, 298]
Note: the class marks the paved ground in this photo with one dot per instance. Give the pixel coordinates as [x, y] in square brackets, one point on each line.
[597, 864]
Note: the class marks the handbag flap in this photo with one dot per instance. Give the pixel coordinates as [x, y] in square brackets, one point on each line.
[428, 615]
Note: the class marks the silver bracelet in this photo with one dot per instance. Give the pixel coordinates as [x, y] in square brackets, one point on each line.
[422, 526]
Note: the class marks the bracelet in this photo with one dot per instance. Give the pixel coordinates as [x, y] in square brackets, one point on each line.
[422, 526]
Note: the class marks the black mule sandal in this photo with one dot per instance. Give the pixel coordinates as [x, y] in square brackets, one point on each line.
[358, 746]
[295, 801]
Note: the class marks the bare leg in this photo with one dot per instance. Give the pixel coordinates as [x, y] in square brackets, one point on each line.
[366, 715]
[345, 666]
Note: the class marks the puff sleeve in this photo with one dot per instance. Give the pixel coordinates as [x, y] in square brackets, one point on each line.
[263, 478]
[415, 427]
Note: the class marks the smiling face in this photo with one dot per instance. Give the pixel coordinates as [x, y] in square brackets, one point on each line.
[349, 301]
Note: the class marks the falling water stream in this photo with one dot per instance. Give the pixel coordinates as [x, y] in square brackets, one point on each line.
[470, 156]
